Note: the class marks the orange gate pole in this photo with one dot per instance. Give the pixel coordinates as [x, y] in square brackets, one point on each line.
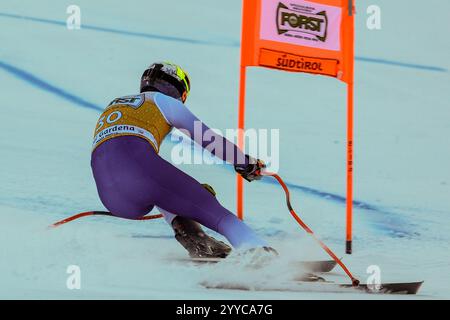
[241, 123]
[348, 244]
[350, 142]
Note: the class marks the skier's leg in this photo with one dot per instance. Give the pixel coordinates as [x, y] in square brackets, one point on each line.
[169, 217]
[191, 236]
[186, 197]
[224, 222]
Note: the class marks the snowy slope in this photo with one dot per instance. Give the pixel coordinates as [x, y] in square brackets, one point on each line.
[55, 81]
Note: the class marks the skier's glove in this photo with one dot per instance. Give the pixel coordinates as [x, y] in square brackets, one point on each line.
[251, 171]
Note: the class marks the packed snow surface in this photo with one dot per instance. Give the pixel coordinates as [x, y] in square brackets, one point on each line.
[55, 81]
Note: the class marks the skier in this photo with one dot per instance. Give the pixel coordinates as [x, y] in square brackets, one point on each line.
[132, 178]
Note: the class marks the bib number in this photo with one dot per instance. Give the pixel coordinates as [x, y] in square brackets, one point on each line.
[110, 119]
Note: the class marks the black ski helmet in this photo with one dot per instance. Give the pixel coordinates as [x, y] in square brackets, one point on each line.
[167, 78]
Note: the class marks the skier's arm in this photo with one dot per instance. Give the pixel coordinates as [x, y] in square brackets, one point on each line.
[180, 117]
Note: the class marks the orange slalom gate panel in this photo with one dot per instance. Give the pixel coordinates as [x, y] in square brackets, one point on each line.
[321, 29]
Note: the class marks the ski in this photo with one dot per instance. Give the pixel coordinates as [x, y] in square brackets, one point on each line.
[310, 266]
[317, 284]
[396, 288]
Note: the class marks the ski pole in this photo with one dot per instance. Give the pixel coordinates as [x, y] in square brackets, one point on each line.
[99, 213]
[355, 281]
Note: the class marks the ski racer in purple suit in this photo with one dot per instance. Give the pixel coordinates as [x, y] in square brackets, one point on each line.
[132, 178]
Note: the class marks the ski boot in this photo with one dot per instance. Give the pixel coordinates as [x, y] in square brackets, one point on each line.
[198, 244]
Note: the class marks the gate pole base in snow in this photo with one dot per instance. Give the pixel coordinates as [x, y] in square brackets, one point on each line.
[348, 247]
